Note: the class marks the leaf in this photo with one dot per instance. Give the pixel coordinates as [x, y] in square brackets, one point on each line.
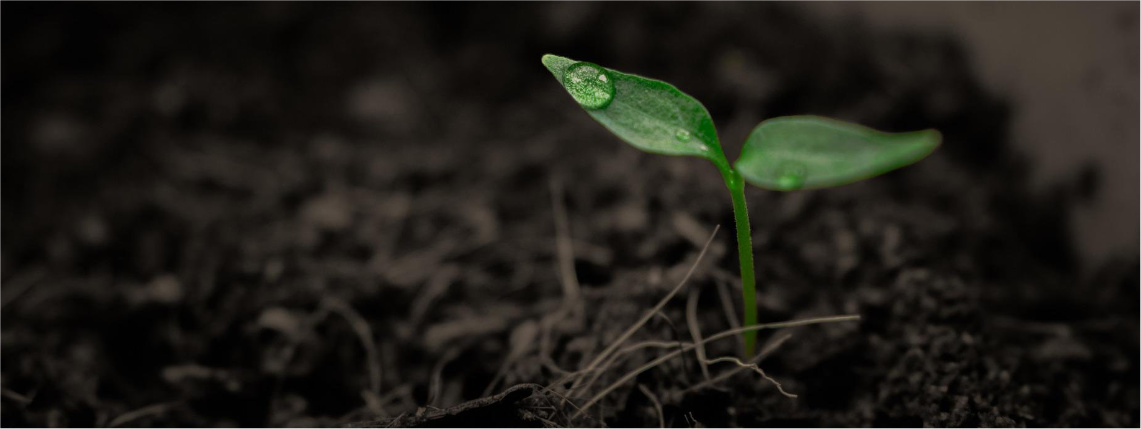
[651, 115]
[804, 152]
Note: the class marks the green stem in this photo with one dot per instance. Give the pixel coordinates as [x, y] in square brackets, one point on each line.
[736, 185]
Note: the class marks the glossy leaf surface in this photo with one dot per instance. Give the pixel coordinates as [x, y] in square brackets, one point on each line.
[651, 115]
[804, 152]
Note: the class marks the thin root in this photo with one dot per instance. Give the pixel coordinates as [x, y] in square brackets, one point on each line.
[649, 314]
[435, 385]
[717, 336]
[564, 247]
[657, 404]
[729, 309]
[769, 348]
[146, 411]
[755, 368]
[695, 330]
[364, 332]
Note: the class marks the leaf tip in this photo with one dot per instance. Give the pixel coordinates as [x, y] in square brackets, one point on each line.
[935, 136]
[557, 65]
[929, 140]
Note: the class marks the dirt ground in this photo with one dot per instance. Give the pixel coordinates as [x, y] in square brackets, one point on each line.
[370, 215]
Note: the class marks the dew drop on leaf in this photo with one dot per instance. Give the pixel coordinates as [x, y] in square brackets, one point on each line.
[590, 85]
[791, 176]
[682, 135]
[790, 181]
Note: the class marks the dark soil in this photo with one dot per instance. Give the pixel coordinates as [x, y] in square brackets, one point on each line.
[317, 214]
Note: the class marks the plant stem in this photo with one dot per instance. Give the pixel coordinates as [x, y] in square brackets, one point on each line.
[736, 185]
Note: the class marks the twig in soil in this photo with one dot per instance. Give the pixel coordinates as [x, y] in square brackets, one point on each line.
[364, 332]
[695, 330]
[520, 343]
[546, 423]
[22, 283]
[597, 371]
[565, 400]
[755, 368]
[572, 302]
[765, 352]
[498, 375]
[372, 404]
[679, 342]
[564, 247]
[657, 405]
[545, 324]
[12, 395]
[554, 410]
[290, 350]
[146, 411]
[437, 285]
[727, 308]
[399, 391]
[713, 337]
[645, 318]
[434, 386]
[392, 422]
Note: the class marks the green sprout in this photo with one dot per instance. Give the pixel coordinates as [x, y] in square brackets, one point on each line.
[785, 153]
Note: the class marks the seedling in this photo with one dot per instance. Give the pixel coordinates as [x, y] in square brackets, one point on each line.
[784, 154]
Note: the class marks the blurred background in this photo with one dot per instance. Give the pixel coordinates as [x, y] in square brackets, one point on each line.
[1068, 70]
[1065, 70]
[190, 189]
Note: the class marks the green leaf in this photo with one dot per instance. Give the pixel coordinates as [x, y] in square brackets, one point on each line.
[804, 152]
[651, 115]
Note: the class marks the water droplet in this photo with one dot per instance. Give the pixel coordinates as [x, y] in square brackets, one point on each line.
[790, 181]
[590, 85]
[791, 176]
[682, 135]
